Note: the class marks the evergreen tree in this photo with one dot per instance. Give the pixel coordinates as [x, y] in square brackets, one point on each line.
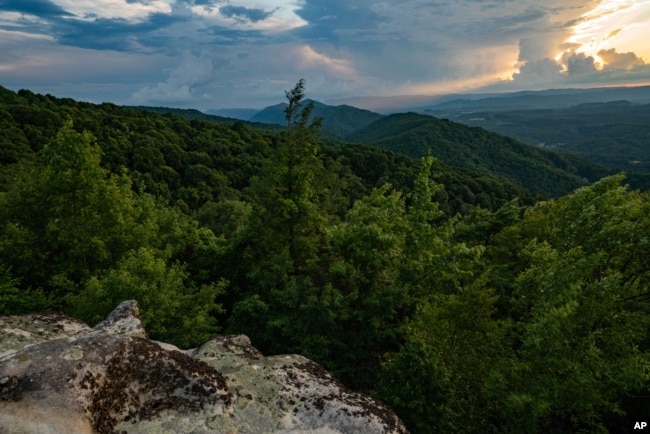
[284, 246]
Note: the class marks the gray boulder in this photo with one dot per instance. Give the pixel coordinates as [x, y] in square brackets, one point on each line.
[57, 375]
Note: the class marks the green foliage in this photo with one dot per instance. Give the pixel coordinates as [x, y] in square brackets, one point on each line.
[579, 309]
[479, 150]
[445, 292]
[14, 301]
[451, 340]
[171, 308]
[72, 230]
[286, 230]
[437, 379]
[612, 134]
[560, 344]
[284, 242]
[67, 213]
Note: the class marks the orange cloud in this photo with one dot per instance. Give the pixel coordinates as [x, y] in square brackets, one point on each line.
[613, 33]
[614, 60]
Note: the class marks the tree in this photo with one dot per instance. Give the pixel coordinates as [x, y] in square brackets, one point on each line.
[172, 308]
[437, 381]
[436, 378]
[14, 301]
[280, 276]
[65, 215]
[579, 306]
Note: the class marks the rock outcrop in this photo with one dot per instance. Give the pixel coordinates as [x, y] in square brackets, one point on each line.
[57, 375]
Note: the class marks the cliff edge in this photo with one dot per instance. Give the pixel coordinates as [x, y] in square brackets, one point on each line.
[57, 375]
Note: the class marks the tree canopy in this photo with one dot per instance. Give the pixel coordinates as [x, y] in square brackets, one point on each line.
[461, 300]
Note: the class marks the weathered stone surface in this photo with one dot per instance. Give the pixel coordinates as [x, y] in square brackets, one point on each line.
[57, 375]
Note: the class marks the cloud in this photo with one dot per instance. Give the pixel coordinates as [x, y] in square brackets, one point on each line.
[39, 8]
[614, 60]
[243, 13]
[580, 63]
[306, 59]
[214, 53]
[183, 85]
[117, 34]
[132, 10]
[538, 74]
[613, 33]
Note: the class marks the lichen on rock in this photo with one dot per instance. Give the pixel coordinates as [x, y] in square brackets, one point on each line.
[58, 375]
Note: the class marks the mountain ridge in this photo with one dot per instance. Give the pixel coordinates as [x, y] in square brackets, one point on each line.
[475, 148]
[401, 103]
[338, 120]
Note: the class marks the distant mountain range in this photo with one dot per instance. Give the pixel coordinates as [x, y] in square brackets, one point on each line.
[442, 105]
[616, 134]
[609, 126]
[589, 122]
[537, 100]
[353, 109]
[454, 144]
[337, 120]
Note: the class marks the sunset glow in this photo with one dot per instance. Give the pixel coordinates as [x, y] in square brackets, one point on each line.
[208, 54]
[615, 24]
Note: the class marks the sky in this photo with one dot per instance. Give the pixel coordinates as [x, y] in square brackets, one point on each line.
[210, 54]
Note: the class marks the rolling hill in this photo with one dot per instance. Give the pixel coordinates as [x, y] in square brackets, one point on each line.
[615, 134]
[477, 149]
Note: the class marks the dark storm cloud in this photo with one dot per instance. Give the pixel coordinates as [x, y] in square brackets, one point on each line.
[506, 28]
[332, 19]
[244, 13]
[195, 51]
[116, 34]
[39, 8]
[156, 32]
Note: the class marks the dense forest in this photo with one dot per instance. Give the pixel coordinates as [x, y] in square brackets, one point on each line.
[613, 134]
[461, 299]
[454, 144]
[475, 148]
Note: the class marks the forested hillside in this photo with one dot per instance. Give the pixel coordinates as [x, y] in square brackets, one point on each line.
[458, 298]
[614, 134]
[457, 145]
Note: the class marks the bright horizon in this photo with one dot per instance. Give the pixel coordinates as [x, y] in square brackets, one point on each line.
[210, 54]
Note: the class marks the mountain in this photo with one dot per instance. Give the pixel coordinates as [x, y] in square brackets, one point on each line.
[613, 134]
[543, 172]
[243, 114]
[338, 120]
[442, 105]
[190, 158]
[193, 114]
[394, 104]
[477, 149]
[546, 99]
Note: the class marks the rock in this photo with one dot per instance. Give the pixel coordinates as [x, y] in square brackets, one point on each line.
[58, 375]
[124, 320]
